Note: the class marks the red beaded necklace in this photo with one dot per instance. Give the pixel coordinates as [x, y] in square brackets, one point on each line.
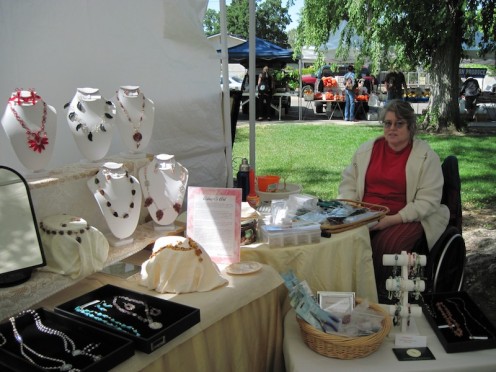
[36, 140]
[176, 206]
[19, 100]
[137, 136]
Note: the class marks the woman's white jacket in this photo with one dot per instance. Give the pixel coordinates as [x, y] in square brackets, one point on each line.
[424, 187]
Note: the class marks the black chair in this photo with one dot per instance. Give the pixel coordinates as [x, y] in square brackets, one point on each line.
[446, 260]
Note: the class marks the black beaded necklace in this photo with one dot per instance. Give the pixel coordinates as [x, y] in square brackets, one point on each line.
[101, 191]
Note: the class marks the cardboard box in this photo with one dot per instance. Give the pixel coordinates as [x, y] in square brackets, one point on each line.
[111, 348]
[469, 330]
[113, 307]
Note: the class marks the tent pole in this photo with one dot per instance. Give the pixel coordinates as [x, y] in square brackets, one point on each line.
[226, 99]
[252, 79]
[299, 90]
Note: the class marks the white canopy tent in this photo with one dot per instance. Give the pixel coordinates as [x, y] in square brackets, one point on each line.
[57, 46]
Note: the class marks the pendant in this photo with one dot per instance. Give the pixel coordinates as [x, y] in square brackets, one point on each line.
[155, 325]
[37, 141]
[137, 137]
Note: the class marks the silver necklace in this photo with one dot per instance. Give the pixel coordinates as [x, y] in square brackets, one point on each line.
[73, 350]
[64, 366]
[129, 305]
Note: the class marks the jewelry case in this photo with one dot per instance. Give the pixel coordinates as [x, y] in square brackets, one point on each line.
[149, 321]
[40, 340]
[458, 322]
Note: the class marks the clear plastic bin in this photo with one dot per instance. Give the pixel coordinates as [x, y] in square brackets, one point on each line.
[278, 236]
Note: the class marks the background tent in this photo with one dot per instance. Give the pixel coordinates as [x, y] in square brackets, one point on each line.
[57, 46]
[266, 54]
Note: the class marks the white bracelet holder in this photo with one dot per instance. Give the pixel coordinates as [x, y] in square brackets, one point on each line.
[404, 285]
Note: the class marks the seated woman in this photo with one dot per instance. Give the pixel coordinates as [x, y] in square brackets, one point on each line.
[403, 173]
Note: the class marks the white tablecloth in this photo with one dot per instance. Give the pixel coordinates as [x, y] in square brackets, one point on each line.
[240, 327]
[299, 358]
[342, 262]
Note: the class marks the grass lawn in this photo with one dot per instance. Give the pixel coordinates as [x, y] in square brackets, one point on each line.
[314, 155]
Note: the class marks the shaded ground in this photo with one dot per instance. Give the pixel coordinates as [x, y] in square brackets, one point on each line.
[479, 232]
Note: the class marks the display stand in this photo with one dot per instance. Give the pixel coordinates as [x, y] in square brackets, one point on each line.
[119, 198]
[163, 182]
[90, 119]
[400, 285]
[136, 115]
[31, 127]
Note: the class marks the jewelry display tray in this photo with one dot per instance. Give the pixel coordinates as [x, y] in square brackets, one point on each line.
[114, 349]
[175, 318]
[475, 319]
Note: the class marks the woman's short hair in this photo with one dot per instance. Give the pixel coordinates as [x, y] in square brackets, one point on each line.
[403, 110]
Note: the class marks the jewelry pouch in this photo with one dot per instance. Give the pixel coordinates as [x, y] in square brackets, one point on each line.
[180, 265]
[72, 247]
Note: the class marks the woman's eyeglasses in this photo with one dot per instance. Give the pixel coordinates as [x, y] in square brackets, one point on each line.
[398, 124]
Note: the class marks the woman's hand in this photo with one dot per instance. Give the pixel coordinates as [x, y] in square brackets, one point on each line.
[387, 221]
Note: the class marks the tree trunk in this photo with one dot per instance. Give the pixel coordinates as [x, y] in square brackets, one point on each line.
[445, 79]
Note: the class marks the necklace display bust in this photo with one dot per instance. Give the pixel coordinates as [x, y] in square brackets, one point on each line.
[163, 182]
[90, 118]
[119, 197]
[30, 125]
[136, 117]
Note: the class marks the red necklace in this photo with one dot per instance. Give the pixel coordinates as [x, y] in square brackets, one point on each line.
[36, 140]
[137, 136]
[18, 99]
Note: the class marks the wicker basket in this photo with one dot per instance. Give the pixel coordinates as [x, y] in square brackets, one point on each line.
[333, 229]
[342, 347]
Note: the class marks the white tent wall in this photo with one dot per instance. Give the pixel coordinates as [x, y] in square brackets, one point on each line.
[57, 46]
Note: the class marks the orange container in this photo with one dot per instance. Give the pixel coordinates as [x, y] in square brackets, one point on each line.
[267, 183]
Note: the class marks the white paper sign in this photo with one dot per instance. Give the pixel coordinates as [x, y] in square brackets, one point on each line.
[214, 221]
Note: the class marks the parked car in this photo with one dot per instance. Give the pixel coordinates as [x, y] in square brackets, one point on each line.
[235, 83]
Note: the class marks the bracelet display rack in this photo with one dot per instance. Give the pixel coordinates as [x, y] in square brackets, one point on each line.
[399, 285]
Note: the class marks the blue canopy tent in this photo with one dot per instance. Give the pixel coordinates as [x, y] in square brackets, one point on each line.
[266, 54]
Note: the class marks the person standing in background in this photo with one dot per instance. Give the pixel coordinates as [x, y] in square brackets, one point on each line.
[395, 82]
[470, 90]
[349, 88]
[265, 88]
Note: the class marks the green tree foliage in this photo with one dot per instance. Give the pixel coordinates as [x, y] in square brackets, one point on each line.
[272, 18]
[406, 34]
[211, 22]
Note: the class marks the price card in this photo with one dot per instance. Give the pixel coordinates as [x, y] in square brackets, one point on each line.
[214, 221]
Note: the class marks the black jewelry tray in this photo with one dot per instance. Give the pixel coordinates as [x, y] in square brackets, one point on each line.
[175, 318]
[113, 349]
[478, 332]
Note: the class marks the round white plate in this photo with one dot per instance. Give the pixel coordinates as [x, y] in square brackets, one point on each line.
[241, 268]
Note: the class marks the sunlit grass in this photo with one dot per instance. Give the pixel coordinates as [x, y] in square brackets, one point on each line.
[314, 155]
